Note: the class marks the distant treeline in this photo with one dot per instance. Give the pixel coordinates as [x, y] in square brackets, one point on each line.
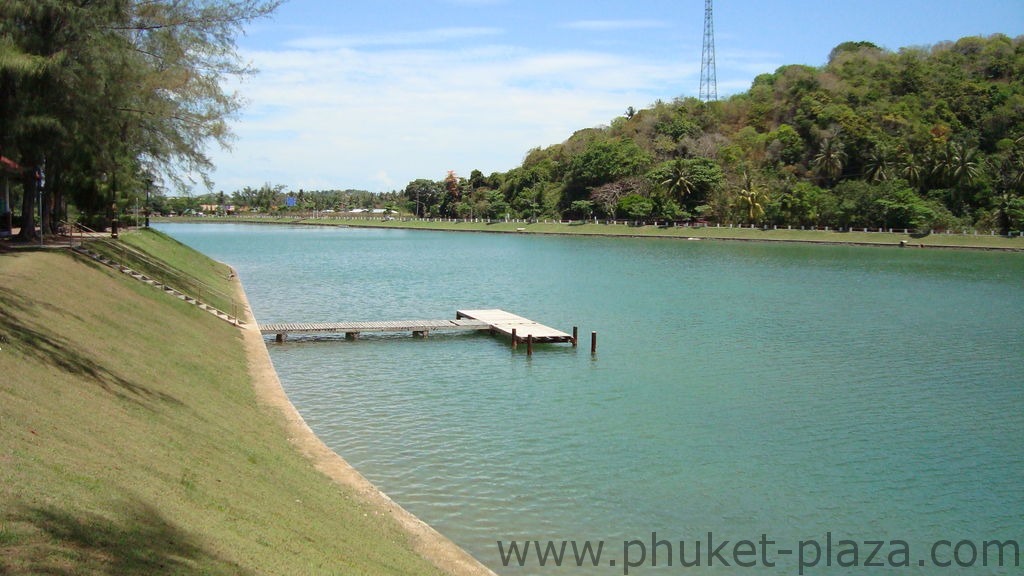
[276, 198]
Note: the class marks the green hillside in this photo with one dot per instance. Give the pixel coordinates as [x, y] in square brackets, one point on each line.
[925, 138]
[919, 138]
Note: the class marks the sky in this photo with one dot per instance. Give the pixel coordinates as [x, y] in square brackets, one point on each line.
[372, 94]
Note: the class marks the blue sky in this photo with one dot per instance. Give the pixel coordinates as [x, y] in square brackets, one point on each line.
[373, 94]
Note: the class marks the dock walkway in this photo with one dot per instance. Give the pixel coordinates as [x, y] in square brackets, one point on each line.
[515, 326]
[495, 321]
[353, 329]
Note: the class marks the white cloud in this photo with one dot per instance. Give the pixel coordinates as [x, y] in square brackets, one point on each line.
[749, 61]
[610, 25]
[408, 38]
[337, 113]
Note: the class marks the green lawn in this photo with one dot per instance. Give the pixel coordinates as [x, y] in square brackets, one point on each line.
[133, 441]
[980, 241]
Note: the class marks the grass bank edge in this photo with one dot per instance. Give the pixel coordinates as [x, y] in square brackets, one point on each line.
[134, 443]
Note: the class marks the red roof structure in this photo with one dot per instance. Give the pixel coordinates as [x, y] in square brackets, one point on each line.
[9, 165]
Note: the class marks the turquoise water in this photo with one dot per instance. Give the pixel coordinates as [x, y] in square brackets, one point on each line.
[739, 389]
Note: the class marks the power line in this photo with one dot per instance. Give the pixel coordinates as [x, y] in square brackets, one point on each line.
[708, 77]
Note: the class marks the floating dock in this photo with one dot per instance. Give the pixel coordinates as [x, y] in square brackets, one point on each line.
[495, 321]
[515, 327]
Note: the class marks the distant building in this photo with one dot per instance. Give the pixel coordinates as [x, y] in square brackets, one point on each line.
[218, 208]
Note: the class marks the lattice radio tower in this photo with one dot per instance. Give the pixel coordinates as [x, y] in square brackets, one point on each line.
[708, 77]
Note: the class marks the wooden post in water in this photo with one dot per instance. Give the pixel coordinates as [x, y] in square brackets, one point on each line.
[515, 339]
[351, 335]
[279, 338]
[593, 342]
[529, 344]
[575, 335]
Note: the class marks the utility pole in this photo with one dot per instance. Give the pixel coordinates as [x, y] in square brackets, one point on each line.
[708, 77]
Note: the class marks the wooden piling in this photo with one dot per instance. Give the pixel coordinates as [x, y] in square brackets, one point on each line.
[593, 342]
[515, 339]
[575, 335]
[279, 338]
[529, 344]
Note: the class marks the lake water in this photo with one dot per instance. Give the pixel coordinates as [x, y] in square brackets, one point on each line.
[770, 393]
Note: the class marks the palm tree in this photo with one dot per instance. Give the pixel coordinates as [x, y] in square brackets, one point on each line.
[911, 170]
[1012, 168]
[678, 183]
[1003, 203]
[830, 159]
[1009, 179]
[752, 200]
[942, 163]
[957, 166]
[965, 169]
[1016, 172]
[878, 165]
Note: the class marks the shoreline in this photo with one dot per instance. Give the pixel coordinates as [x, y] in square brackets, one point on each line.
[890, 239]
[425, 540]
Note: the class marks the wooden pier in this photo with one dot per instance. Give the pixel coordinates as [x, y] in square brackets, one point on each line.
[495, 321]
[351, 330]
[516, 327]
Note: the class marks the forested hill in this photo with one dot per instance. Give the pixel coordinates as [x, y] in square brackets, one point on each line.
[923, 137]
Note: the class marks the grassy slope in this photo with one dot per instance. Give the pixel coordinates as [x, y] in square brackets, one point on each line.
[817, 236]
[131, 442]
[178, 265]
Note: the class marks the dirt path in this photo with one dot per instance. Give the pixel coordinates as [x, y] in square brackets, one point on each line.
[426, 541]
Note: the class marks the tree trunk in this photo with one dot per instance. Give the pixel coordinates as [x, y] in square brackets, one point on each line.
[57, 209]
[53, 198]
[45, 210]
[28, 206]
